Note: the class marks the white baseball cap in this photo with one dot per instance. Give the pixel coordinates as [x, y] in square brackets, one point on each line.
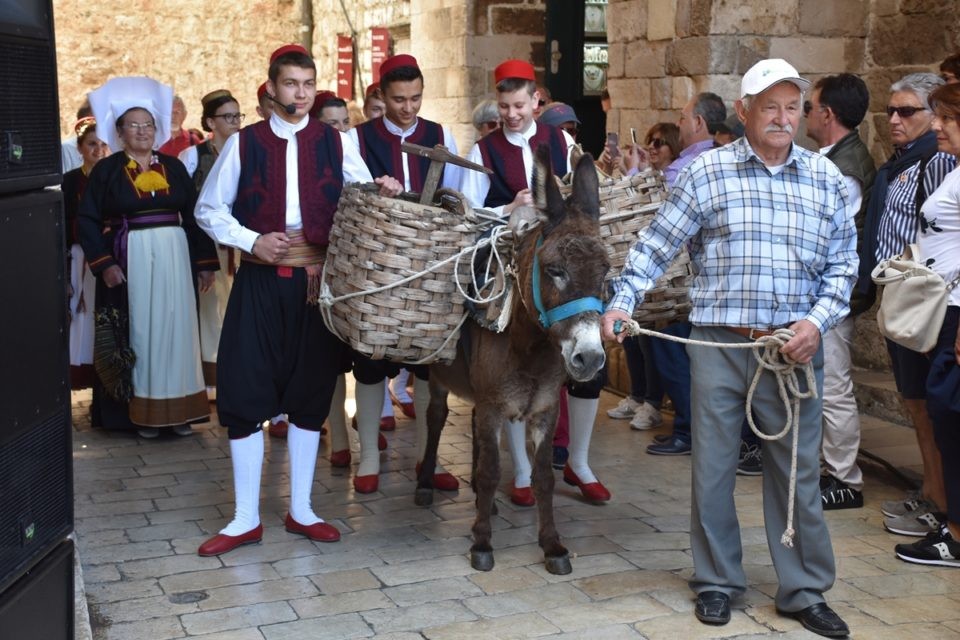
[767, 73]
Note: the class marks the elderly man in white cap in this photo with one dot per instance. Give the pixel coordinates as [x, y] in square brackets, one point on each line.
[773, 248]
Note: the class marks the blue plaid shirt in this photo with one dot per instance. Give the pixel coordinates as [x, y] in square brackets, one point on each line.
[766, 249]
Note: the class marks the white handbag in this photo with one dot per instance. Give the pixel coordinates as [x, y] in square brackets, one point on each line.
[913, 302]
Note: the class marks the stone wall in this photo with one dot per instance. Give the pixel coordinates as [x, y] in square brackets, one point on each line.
[195, 46]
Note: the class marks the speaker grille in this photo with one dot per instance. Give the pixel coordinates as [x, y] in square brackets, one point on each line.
[28, 115]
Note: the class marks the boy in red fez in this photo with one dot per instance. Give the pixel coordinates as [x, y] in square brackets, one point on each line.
[379, 140]
[509, 152]
[272, 193]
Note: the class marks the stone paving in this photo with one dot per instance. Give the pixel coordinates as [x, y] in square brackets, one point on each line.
[401, 572]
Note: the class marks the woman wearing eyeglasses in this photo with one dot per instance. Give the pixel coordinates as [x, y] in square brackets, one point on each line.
[222, 118]
[912, 173]
[138, 232]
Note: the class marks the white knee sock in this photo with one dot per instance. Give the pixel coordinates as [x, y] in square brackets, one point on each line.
[339, 438]
[246, 455]
[400, 386]
[369, 401]
[583, 412]
[302, 446]
[387, 410]
[517, 441]
[421, 400]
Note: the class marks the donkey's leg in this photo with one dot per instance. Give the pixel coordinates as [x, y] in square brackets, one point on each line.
[437, 413]
[556, 557]
[487, 474]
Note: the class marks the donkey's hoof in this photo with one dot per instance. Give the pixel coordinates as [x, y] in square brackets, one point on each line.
[483, 560]
[558, 565]
[423, 497]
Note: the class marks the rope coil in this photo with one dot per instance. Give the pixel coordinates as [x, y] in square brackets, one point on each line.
[766, 351]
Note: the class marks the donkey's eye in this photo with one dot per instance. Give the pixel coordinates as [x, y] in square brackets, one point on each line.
[556, 273]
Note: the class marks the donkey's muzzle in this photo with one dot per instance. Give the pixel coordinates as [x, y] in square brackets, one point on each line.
[584, 364]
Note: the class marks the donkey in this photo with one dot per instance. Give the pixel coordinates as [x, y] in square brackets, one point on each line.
[554, 333]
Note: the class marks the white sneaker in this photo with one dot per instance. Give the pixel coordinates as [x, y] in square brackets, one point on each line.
[183, 430]
[646, 417]
[626, 409]
[149, 432]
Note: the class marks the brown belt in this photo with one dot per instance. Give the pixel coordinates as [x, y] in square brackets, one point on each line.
[750, 334]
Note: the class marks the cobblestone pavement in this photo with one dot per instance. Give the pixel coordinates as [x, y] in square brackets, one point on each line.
[400, 571]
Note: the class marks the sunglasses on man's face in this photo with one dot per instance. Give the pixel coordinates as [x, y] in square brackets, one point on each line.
[904, 112]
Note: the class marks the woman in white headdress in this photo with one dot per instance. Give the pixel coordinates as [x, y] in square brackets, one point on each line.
[140, 238]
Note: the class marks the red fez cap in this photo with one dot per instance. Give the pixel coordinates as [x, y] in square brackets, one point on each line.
[395, 62]
[322, 96]
[287, 48]
[261, 91]
[514, 69]
[371, 88]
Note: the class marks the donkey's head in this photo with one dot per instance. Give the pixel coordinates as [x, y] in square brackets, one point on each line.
[566, 278]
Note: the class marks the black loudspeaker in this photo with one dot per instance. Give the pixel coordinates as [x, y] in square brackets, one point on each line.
[36, 483]
[40, 604]
[29, 112]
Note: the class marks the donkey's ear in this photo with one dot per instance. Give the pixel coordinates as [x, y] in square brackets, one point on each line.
[586, 187]
[546, 192]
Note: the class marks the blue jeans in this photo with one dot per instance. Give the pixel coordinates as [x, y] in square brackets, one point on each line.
[673, 363]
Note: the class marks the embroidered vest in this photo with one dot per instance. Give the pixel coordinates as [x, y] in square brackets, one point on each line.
[380, 149]
[262, 186]
[509, 175]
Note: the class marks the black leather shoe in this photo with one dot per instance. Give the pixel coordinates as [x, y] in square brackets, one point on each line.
[822, 620]
[673, 447]
[713, 607]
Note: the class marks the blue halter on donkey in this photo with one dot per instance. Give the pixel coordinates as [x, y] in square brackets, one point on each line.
[566, 310]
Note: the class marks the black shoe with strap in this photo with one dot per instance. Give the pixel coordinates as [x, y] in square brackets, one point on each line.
[712, 607]
[820, 619]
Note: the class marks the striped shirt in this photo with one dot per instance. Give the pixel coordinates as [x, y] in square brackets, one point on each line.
[768, 248]
[899, 223]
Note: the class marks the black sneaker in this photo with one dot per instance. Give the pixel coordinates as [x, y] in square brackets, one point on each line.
[836, 494]
[938, 548]
[751, 462]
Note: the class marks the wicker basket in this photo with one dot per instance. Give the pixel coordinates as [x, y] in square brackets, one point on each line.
[627, 206]
[377, 241]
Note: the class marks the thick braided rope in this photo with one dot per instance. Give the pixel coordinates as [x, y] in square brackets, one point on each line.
[766, 350]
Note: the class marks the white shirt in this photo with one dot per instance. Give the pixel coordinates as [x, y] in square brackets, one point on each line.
[451, 172]
[190, 159]
[475, 185]
[854, 189]
[69, 154]
[940, 239]
[219, 192]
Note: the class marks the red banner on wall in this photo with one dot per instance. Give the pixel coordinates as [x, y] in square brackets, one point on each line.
[345, 67]
[379, 49]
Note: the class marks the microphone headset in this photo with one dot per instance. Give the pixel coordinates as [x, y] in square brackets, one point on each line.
[289, 108]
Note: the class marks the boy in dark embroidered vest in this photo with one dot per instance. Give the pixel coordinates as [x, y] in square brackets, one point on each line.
[379, 140]
[272, 194]
[508, 151]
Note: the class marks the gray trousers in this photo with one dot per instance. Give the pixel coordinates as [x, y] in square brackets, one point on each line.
[720, 380]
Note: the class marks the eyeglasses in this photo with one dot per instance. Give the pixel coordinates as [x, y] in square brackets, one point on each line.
[904, 112]
[541, 103]
[140, 126]
[232, 118]
[656, 143]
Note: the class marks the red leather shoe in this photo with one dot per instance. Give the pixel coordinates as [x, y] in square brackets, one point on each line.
[318, 531]
[381, 441]
[340, 458]
[443, 481]
[366, 484]
[522, 496]
[221, 543]
[278, 430]
[388, 423]
[594, 491]
[407, 409]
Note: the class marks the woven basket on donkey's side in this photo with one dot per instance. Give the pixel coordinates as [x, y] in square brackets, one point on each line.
[378, 241]
[627, 205]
